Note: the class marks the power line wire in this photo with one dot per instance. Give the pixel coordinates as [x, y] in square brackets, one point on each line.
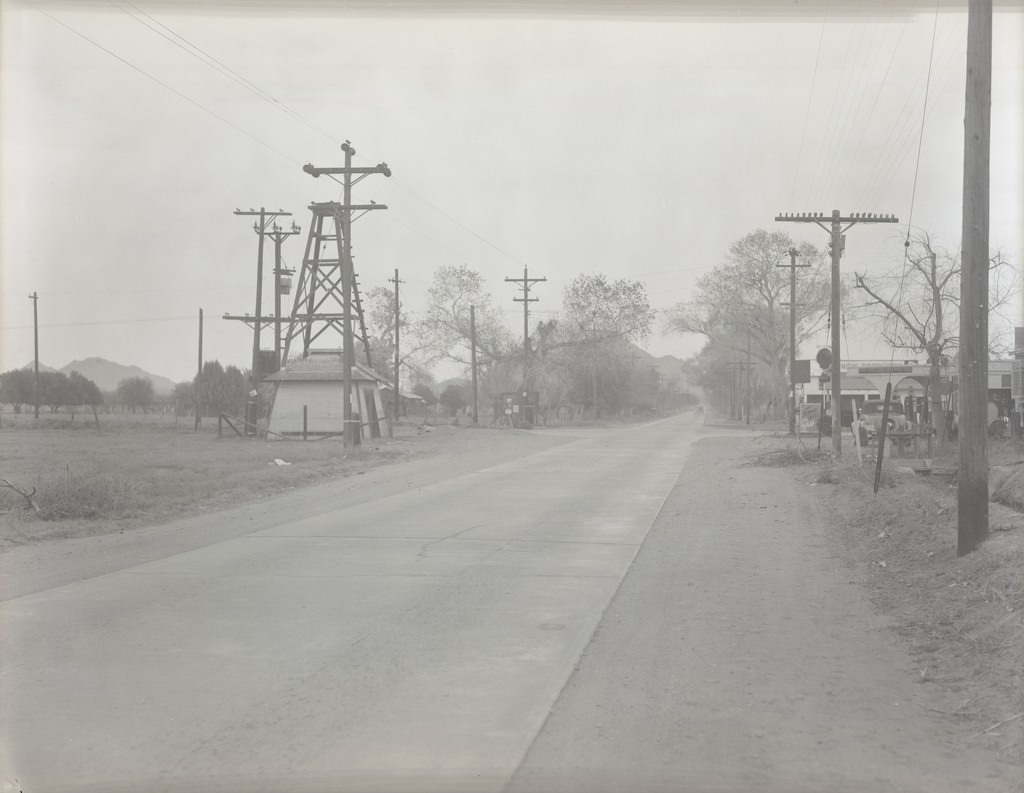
[162, 84]
[203, 56]
[103, 322]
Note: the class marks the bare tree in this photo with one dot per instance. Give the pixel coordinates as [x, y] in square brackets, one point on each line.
[918, 307]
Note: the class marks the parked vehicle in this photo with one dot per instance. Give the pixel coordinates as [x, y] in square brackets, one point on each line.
[871, 416]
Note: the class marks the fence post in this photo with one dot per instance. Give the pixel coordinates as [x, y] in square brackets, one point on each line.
[305, 421]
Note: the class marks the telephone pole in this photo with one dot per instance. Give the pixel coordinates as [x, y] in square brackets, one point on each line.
[472, 357]
[34, 297]
[262, 228]
[792, 336]
[748, 375]
[199, 374]
[324, 295]
[282, 284]
[837, 236]
[398, 324]
[526, 282]
[972, 488]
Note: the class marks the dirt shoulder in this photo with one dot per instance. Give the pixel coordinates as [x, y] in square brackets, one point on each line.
[961, 618]
[771, 656]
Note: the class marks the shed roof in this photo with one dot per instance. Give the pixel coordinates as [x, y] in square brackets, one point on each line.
[320, 366]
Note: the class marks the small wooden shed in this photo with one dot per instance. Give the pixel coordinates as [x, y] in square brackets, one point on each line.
[316, 383]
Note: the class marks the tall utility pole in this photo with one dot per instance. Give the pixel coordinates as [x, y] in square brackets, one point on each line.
[837, 237]
[323, 280]
[34, 297]
[972, 490]
[279, 235]
[398, 325]
[792, 336]
[199, 373]
[747, 400]
[472, 357]
[266, 220]
[526, 282]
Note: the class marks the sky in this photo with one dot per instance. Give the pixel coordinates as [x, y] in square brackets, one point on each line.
[636, 141]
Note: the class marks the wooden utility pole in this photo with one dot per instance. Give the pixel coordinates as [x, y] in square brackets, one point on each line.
[279, 235]
[837, 239]
[262, 228]
[526, 283]
[972, 487]
[199, 373]
[398, 324]
[747, 399]
[792, 336]
[472, 357]
[34, 297]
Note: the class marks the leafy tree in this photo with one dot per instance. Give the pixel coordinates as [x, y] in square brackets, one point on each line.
[454, 398]
[444, 331]
[17, 388]
[740, 303]
[222, 390]
[918, 307]
[184, 397]
[424, 391]
[599, 319]
[136, 393]
[379, 313]
[55, 390]
[84, 391]
[598, 306]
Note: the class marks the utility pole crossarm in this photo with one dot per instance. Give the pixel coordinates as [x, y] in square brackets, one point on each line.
[526, 283]
[316, 172]
[837, 238]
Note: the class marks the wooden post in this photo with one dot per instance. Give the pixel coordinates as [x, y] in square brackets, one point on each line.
[972, 487]
[305, 421]
[472, 357]
[396, 395]
[199, 374]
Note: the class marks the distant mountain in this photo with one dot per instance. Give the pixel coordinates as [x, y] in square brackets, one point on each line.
[107, 374]
[31, 365]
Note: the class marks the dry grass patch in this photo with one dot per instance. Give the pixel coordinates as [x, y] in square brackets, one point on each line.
[90, 482]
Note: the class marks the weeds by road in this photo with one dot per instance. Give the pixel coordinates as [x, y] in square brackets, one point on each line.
[88, 482]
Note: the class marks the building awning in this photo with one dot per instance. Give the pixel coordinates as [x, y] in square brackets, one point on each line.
[852, 382]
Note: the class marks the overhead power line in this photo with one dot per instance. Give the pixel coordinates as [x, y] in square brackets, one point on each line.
[203, 56]
[101, 322]
[166, 86]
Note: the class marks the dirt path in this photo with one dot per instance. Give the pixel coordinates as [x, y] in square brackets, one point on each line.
[740, 653]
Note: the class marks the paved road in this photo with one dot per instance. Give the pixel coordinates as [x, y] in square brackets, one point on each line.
[629, 610]
[414, 642]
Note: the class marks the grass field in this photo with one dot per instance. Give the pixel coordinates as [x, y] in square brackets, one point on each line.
[142, 469]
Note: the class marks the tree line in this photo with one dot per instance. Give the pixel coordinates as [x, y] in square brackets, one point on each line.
[222, 390]
[584, 357]
[741, 308]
